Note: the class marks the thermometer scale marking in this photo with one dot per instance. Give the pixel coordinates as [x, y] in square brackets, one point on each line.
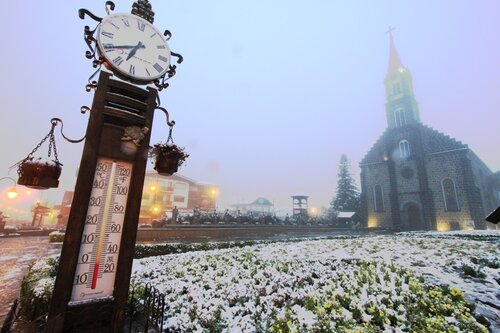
[104, 224]
[99, 247]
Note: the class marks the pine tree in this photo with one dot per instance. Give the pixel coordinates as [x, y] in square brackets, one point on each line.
[347, 198]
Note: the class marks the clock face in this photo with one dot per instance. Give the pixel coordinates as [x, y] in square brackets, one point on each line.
[133, 47]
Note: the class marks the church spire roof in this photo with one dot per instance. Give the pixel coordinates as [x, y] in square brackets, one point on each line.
[394, 59]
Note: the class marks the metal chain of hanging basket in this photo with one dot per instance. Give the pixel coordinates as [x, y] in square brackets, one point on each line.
[52, 147]
[169, 123]
[170, 128]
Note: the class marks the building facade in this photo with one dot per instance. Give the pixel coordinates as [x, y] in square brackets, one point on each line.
[417, 178]
[162, 193]
[258, 207]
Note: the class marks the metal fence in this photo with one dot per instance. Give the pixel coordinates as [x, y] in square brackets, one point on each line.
[146, 309]
[145, 313]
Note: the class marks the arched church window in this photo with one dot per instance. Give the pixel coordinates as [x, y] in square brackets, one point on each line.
[404, 149]
[450, 195]
[378, 198]
[399, 116]
[396, 88]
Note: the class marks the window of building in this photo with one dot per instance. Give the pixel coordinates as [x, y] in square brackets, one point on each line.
[404, 149]
[396, 88]
[399, 116]
[179, 198]
[180, 186]
[450, 195]
[378, 198]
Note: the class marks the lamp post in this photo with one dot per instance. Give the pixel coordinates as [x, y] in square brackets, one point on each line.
[213, 193]
[12, 192]
[155, 208]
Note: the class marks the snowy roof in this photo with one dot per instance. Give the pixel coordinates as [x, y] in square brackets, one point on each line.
[300, 195]
[262, 201]
[346, 215]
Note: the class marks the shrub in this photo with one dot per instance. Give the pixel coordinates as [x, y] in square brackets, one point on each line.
[470, 271]
[56, 236]
[36, 290]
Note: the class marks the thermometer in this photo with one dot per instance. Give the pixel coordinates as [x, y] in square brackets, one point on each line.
[100, 244]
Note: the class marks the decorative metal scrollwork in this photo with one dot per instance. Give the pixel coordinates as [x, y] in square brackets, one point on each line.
[170, 123]
[54, 122]
[160, 83]
[88, 37]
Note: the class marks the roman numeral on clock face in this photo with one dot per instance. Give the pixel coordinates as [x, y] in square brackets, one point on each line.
[162, 58]
[140, 25]
[108, 47]
[158, 67]
[118, 60]
[107, 34]
[132, 69]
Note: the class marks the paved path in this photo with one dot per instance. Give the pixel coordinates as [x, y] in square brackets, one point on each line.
[16, 254]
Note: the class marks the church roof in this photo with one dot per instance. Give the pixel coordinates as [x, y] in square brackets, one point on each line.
[377, 151]
[433, 142]
[437, 142]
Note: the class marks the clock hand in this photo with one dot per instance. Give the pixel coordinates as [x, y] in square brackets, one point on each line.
[122, 46]
[134, 50]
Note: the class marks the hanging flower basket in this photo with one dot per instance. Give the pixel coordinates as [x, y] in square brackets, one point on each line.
[39, 173]
[168, 157]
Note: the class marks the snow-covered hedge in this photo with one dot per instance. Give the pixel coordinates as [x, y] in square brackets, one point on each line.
[56, 236]
[36, 289]
[310, 286]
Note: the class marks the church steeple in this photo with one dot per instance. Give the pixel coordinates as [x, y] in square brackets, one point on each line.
[401, 106]
[394, 59]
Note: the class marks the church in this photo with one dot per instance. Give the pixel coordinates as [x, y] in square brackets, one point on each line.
[417, 178]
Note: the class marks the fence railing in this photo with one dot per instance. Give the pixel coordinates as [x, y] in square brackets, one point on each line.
[146, 310]
[145, 313]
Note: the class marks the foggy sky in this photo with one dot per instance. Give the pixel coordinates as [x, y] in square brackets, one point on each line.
[270, 93]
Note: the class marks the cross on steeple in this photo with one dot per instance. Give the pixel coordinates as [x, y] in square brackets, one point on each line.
[394, 60]
[390, 30]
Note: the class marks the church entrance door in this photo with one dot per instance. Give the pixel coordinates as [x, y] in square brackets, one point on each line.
[414, 218]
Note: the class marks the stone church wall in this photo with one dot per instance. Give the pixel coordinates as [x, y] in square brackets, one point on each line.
[406, 176]
[449, 220]
[378, 174]
[482, 180]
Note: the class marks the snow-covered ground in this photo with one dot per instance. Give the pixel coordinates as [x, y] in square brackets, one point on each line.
[376, 283]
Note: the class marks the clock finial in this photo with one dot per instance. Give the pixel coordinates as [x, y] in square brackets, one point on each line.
[143, 8]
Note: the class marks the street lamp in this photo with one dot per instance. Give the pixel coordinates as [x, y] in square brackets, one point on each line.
[12, 192]
[155, 209]
[213, 191]
[153, 187]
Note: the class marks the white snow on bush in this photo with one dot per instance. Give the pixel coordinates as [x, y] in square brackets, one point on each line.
[321, 284]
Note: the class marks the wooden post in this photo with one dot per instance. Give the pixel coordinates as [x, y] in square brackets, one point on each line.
[116, 106]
